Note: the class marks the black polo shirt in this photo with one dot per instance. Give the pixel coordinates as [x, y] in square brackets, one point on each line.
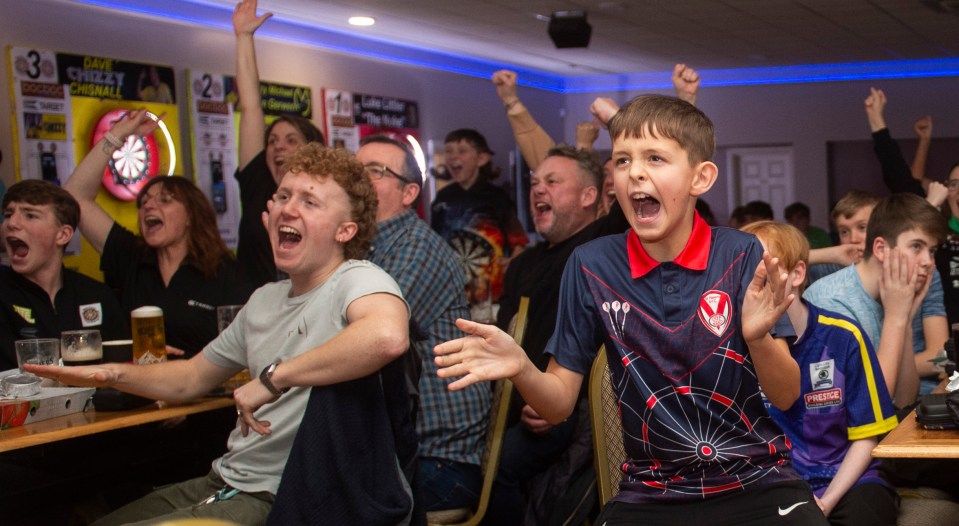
[81, 303]
[189, 302]
[253, 249]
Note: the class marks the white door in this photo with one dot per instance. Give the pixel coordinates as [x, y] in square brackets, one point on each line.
[764, 174]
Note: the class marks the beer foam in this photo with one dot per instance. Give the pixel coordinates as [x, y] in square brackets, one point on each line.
[82, 354]
[147, 311]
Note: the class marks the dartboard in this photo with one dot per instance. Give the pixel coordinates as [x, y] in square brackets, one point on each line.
[130, 162]
[474, 251]
[132, 165]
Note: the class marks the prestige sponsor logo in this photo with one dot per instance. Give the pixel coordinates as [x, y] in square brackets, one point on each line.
[823, 398]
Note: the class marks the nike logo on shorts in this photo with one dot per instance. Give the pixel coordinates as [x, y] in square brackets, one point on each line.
[787, 511]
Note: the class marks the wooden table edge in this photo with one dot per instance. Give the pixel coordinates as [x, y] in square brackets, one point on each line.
[902, 442]
[91, 422]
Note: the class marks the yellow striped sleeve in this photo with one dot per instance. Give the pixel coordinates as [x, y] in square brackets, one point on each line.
[867, 366]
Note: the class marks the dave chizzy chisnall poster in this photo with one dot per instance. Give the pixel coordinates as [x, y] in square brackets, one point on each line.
[64, 103]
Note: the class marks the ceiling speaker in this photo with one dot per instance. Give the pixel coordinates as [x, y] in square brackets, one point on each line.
[569, 29]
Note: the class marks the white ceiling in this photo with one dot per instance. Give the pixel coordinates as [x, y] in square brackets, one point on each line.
[639, 36]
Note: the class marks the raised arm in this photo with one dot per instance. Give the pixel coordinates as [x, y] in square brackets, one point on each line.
[875, 105]
[245, 23]
[532, 139]
[936, 193]
[764, 303]
[491, 354]
[895, 171]
[586, 134]
[923, 129]
[686, 83]
[84, 182]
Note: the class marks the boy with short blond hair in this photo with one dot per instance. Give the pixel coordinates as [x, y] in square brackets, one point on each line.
[685, 316]
[843, 405]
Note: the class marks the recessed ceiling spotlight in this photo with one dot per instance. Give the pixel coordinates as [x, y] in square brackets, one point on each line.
[362, 21]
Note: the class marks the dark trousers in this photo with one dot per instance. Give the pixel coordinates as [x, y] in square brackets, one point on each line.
[785, 503]
[525, 455]
[866, 505]
[445, 485]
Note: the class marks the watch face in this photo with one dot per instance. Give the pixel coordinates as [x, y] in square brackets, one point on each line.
[132, 165]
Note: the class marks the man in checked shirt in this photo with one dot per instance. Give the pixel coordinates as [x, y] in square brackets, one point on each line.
[451, 424]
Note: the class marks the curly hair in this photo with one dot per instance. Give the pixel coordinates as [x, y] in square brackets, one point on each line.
[205, 248]
[321, 162]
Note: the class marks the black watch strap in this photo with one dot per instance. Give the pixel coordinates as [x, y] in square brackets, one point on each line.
[266, 378]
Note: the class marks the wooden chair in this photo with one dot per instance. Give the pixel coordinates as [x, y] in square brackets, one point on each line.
[499, 411]
[609, 452]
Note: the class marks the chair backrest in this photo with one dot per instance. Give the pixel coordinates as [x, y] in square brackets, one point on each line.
[499, 412]
[609, 452]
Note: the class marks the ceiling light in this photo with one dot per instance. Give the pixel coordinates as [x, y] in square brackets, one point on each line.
[362, 21]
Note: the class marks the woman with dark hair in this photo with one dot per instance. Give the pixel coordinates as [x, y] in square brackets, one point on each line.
[178, 262]
[261, 156]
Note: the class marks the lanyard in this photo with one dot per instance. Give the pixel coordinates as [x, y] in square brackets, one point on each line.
[226, 493]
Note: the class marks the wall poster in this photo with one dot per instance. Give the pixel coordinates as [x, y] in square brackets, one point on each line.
[214, 126]
[65, 102]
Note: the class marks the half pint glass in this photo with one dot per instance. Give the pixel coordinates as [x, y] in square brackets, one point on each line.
[149, 340]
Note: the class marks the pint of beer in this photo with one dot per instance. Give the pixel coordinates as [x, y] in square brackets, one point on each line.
[81, 347]
[149, 340]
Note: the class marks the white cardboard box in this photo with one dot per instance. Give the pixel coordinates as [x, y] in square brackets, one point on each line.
[51, 402]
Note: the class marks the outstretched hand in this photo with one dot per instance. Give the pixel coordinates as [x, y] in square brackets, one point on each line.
[79, 376]
[686, 83]
[766, 298]
[486, 354]
[875, 104]
[245, 21]
[505, 82]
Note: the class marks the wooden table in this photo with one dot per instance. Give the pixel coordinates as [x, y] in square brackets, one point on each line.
[909, 440]
[92, 422]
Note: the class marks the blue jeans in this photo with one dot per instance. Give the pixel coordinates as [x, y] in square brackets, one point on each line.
[525, 455]
[444, 484]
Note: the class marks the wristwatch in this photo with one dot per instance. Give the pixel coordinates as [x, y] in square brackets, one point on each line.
[266, 378]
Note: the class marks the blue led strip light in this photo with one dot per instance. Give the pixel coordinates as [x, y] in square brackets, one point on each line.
[218, 16]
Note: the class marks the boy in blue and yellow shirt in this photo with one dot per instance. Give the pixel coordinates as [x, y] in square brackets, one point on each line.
[844, 404]
[684, 311]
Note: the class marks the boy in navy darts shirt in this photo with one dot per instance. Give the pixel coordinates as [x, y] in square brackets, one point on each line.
[684, 311]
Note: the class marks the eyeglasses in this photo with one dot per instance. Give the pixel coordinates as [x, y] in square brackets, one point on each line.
[952, 183]
[377, 171]
[163, 198]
